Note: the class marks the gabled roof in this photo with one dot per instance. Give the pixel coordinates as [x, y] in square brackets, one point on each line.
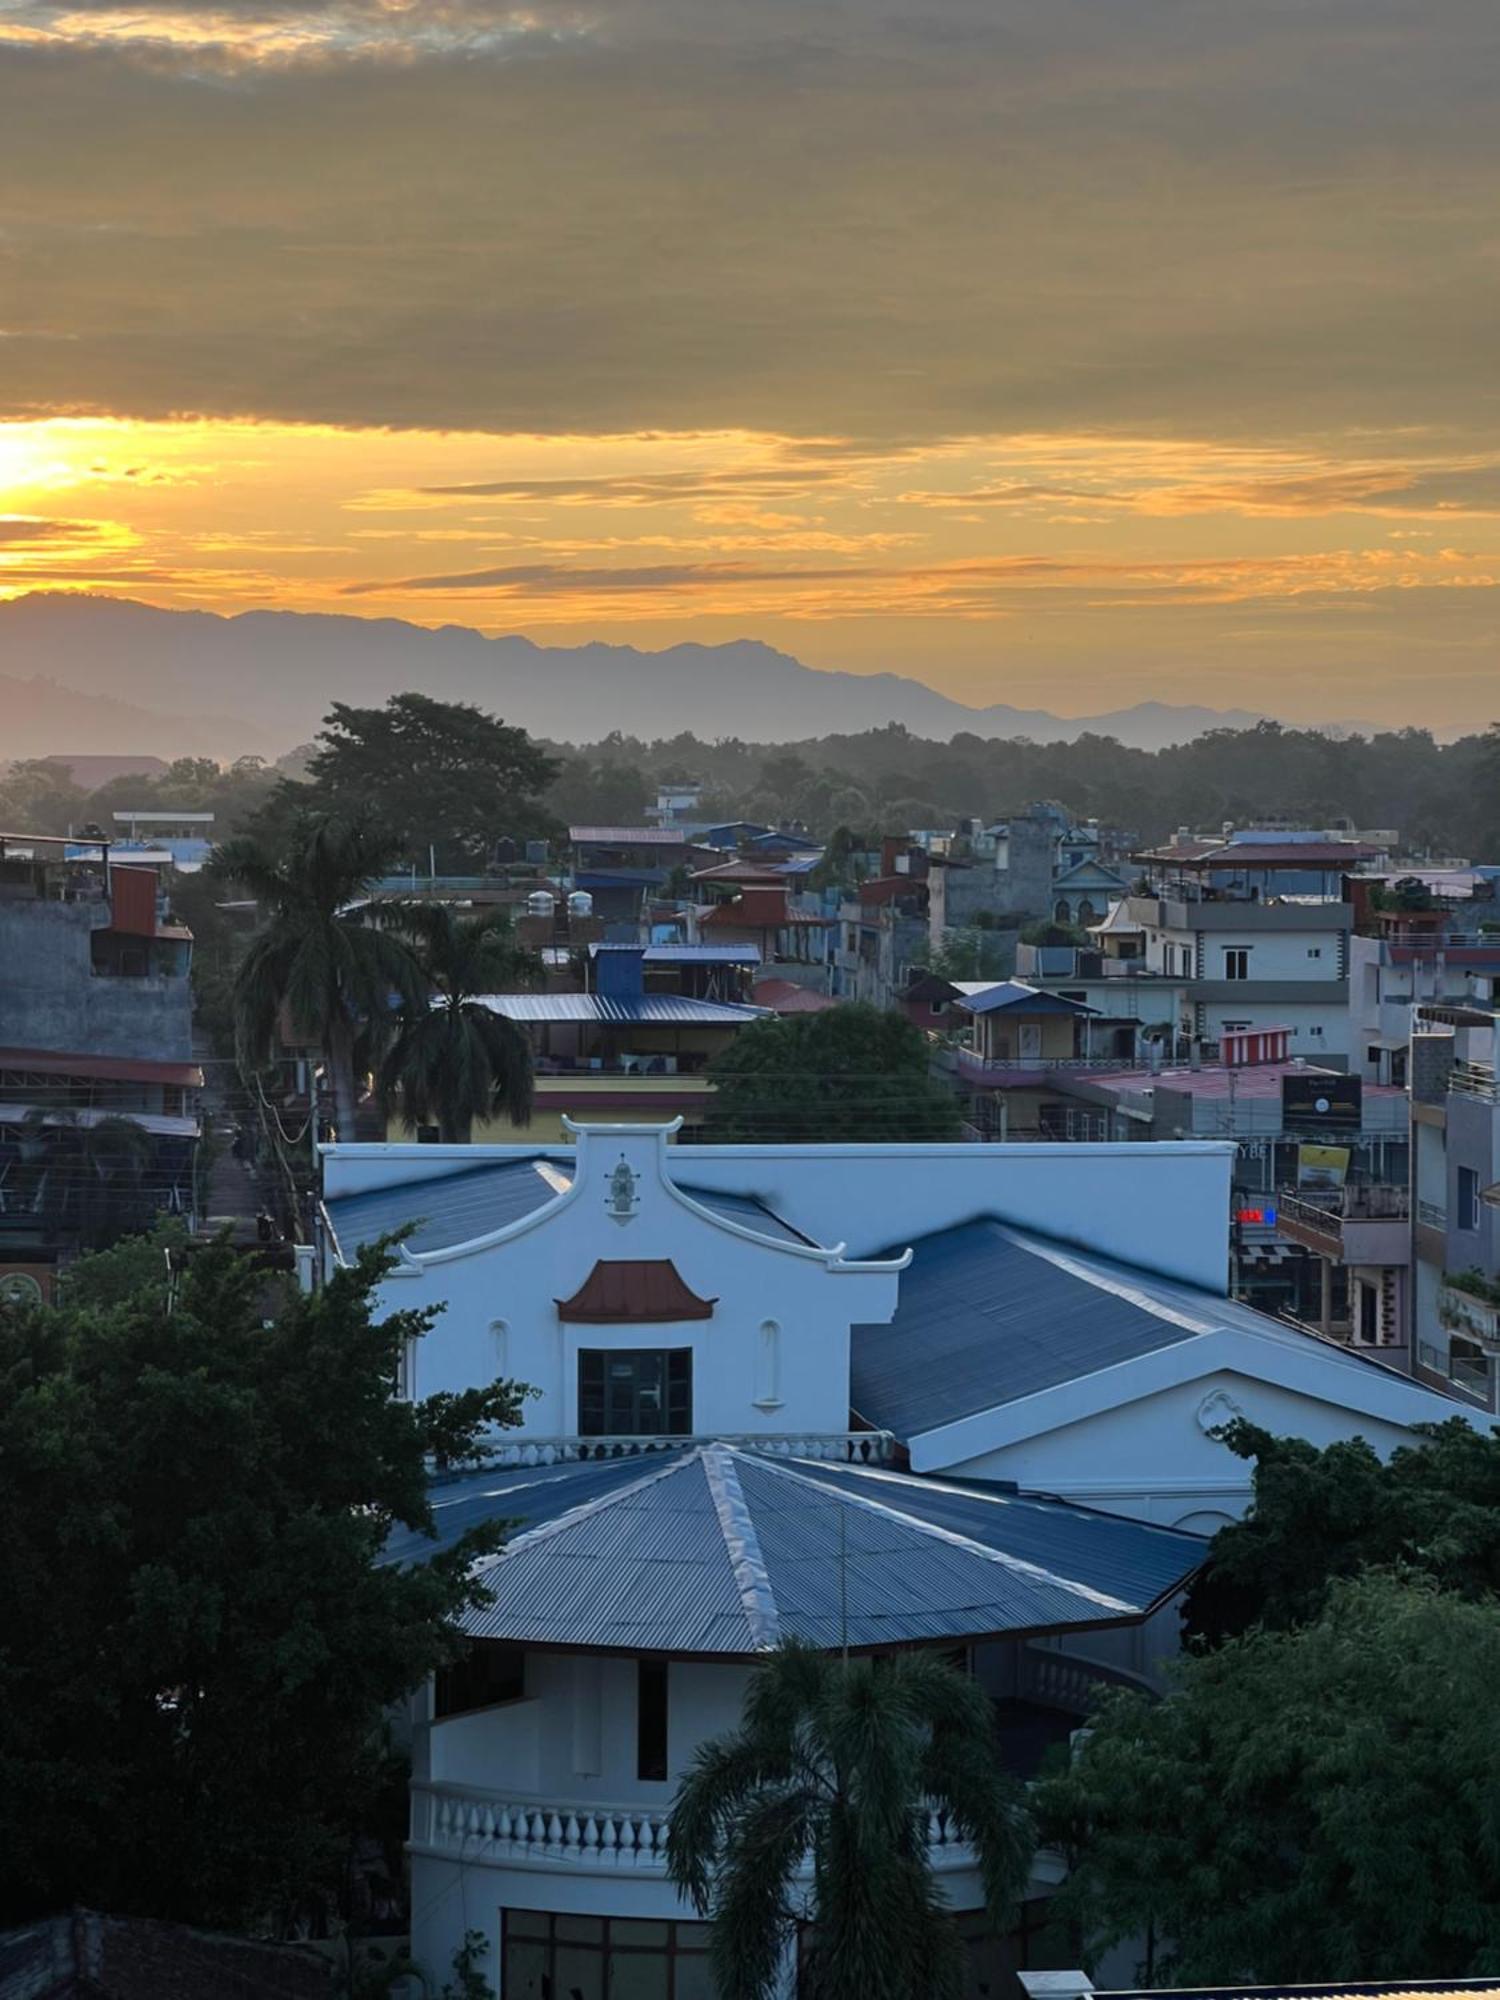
[450, 1208]
[988, 1316]
[1024, 999]
[714, 1550]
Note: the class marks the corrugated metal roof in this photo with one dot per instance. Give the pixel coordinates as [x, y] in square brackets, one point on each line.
[631, 836]
[987, 1315]
[719, 1550]
[649, 1010]
[749, 1210]
[687, 954]
[452, 1208]
[1025, 999]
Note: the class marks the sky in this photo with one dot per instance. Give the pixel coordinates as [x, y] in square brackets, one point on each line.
[1061, 352]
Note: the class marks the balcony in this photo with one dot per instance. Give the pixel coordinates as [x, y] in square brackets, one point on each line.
[1468, 1379]
[1012, 1072]
[465, 1824]
[1473, 1079]
[1351, 1225]
[1051, 1695]
[1467, 1313]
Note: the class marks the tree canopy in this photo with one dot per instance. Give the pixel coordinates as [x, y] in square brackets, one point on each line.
[844, 1760]
[852, 1072]
[198, 1644]
[1310, 1805]
[437, 774]
[1318, 1515]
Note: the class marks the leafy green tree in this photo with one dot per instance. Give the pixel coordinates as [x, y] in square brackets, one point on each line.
[1317, 1515]
[1308, 1805]
[843, 1761]
[437, 774]
[316, 965]
[38, 795]
[452, 1059]
[852, 1072]
[199, 1643]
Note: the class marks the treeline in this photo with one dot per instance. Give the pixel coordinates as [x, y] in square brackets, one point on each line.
[1444, 798]
[449, 781]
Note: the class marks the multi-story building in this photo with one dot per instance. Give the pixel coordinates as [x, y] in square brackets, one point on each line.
[1260, 934]
[98, 1085]
[635, 1046]
[733, 1347]
[1455, 1111]
[1319, 1202]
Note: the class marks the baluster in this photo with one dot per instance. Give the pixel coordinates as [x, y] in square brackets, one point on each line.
[627, 1840]
[571, 1837]
[554, 1831]
[608, 1840]
[591, 1833]
[536, 1830]
[505, 1824]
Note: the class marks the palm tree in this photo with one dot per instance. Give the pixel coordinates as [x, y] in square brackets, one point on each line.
[453, 1060]
[839, 1763]
[316, 961]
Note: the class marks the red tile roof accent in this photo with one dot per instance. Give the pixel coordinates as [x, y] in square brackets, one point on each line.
[784, 996]
[632, 1292]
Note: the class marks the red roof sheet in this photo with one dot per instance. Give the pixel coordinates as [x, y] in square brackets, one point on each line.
[633, 1291]
[103, 1069]
[784, 996]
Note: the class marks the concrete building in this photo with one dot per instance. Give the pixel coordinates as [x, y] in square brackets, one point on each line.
[734, 1347]
[1455, 1112]
[98, 1085]
[1252, 961]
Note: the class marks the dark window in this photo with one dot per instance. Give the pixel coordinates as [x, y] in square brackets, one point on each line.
[1236, 961]
[545, 1957]
[651, 1719]
[1468, 1199]
[487, 1674]
[644, 1392]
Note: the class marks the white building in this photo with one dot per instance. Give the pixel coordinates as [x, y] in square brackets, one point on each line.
[735, 1350]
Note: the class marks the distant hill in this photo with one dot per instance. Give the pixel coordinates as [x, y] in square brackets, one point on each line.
[108, 672]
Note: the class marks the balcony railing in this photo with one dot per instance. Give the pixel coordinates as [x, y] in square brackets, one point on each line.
[1432, 1215]
[1471, 1378]
[472, 1825]
[1465, 1313]
[999, 1067]
[835, 1447]
[1472, 1079]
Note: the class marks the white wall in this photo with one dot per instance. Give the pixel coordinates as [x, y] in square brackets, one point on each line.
[1154, 1459]
[774, 1355]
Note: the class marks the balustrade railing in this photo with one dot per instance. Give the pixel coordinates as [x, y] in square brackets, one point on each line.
[480, 1826]
[1432, 1214]
[836, 1447]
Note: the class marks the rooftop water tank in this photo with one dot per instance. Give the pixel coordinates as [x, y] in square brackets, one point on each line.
[580, 904]
[540, 903]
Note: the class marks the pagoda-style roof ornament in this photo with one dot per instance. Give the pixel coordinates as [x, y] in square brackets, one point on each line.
[633, 1291]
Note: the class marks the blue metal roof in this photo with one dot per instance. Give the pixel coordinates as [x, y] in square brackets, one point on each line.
[987, 1315]
[667, 1010]
[453, 1208]
[687, 954]
[718, 1550]
[1025, 999]
[619, 878]
[748, 1209]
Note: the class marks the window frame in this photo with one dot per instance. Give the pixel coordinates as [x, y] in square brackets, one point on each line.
[676, 1396]
[543, 1931]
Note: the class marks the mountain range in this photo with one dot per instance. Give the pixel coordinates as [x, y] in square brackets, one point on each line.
[86, 673]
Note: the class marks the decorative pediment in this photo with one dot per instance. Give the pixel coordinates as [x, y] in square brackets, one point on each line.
[633, 1291]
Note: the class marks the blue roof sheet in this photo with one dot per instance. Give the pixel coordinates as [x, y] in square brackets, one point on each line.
[987, 1315]
[451, 1208]
[687, 954]
[1025, 1000]
[646, 1010]
[713, 1549]
[748, 1209]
